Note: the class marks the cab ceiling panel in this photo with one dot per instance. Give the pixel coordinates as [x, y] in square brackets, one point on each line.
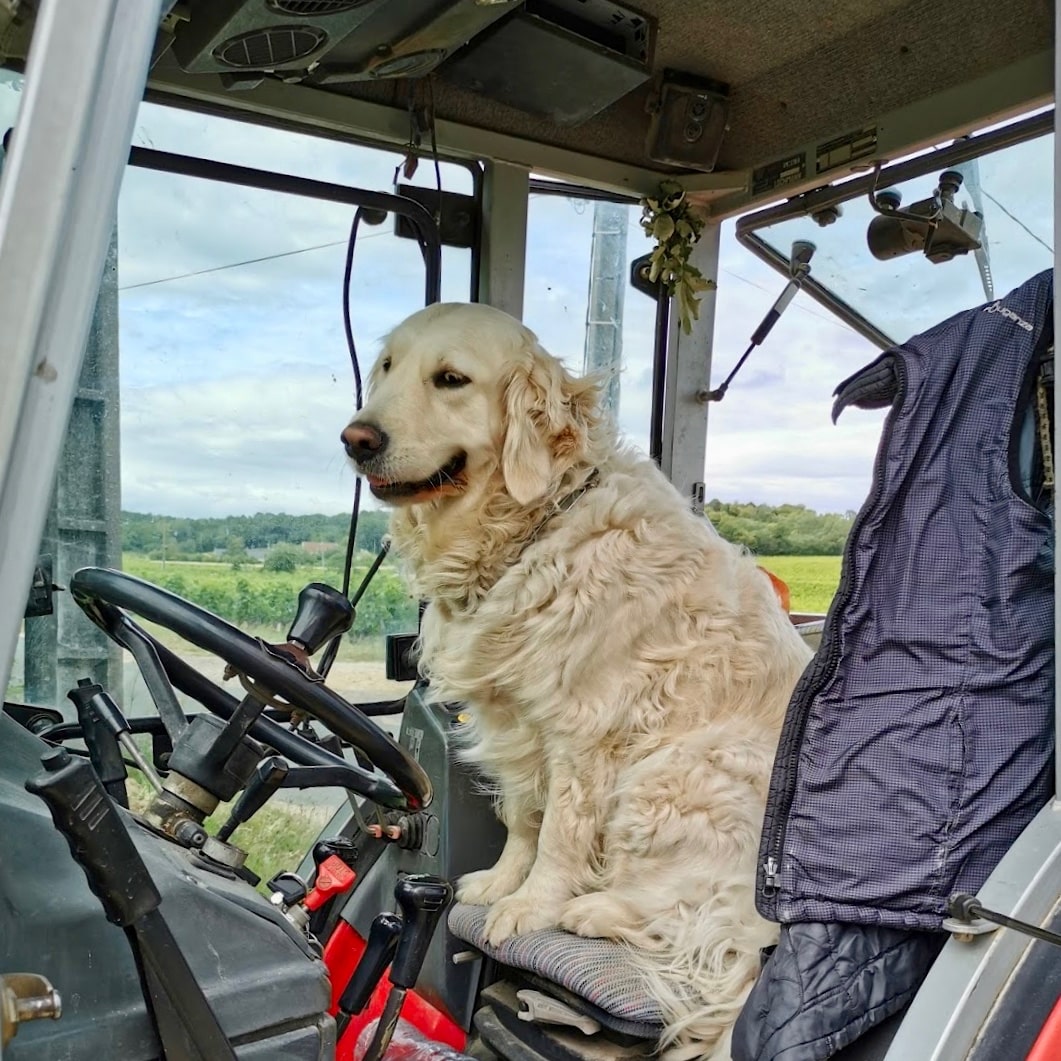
[739, 82]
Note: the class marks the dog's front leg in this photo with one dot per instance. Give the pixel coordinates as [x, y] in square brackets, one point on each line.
[487, 886]
[566, 856]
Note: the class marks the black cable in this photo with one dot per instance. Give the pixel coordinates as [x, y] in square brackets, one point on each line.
[370, 573]
[351, 537]
[332, 650]
[434, 149]
[347, 273]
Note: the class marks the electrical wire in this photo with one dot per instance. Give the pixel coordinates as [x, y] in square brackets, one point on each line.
[246, 261]
[1016, 220]
[332, 649]
[351, 346]
[434, 148]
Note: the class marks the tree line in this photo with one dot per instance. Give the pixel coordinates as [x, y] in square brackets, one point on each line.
[765, 530]
[152, 534]
[781, 530]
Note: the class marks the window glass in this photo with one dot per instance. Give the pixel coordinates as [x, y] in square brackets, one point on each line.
[572, 302]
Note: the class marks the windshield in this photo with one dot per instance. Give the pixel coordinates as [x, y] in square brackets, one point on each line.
[1013, 188]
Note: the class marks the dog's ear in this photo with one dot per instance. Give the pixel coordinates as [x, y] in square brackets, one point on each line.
[548, 416]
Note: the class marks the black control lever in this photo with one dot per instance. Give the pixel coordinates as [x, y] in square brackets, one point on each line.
[102, 846]
[101, 739]
[323, 613]
[379, 951]
[96, 707]
[422, 900]
[268, 776]
[316, 777]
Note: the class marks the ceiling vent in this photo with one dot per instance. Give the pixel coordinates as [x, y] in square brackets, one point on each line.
[223, 36]
[313, 8]
[271, 49]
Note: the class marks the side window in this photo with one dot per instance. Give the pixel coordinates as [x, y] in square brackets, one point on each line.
[579, 301]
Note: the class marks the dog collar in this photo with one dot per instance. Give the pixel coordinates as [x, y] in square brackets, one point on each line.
[563, 505]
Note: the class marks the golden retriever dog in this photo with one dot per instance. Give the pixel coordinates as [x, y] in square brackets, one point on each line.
[626, 669]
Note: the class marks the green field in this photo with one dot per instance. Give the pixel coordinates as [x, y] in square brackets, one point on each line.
[256, 599]
[812, 580]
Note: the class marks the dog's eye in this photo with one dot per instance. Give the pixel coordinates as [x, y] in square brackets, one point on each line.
[386, 366]
[450, 379]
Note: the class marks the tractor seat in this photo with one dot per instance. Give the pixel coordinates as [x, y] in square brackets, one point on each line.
[593, 972]
[593, 977]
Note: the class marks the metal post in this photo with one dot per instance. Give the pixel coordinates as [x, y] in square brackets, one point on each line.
[58, 199]
[84, 520]
[687, 380]
[506, 190]
[604, 308]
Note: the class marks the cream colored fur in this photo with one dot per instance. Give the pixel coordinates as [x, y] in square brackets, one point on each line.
[626, 669]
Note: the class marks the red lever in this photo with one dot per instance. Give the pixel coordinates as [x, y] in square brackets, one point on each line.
[333, 876]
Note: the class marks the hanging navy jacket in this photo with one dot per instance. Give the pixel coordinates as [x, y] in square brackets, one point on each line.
[919, 742]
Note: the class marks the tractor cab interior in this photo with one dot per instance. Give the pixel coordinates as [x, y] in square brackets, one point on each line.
[890, 164]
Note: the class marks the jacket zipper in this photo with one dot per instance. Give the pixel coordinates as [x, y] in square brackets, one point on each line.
[788, 756]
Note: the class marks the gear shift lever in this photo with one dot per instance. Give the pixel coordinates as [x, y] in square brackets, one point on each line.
[422, 899]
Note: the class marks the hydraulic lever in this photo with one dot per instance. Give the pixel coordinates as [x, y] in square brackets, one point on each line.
[379, 951]
[422, 900]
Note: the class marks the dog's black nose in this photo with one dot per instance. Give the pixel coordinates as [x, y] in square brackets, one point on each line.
[363, 440]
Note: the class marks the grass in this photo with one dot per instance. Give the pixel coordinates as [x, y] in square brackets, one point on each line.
[812, 580]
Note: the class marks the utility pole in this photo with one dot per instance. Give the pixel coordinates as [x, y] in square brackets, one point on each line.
[607, 290]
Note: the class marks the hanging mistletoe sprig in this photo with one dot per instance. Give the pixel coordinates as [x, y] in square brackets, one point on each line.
[675, 226]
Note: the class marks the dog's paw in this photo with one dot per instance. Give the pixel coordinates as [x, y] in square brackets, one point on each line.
[485, 886]
[517, 915]
[594, 916]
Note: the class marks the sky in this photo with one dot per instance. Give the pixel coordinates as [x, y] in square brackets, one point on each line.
[235, 378]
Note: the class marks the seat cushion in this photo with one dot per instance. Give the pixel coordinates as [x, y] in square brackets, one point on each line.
[596, 970]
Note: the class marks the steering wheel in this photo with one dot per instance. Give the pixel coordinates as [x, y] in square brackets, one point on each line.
[105, 595]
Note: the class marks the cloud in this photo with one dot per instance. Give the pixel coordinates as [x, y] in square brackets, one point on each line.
[239, 445]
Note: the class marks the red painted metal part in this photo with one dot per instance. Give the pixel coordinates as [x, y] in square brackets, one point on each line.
[1047, 1046]
[342, 952]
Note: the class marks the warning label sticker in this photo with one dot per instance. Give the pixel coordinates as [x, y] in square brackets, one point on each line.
[774, 174]
[846, 149]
